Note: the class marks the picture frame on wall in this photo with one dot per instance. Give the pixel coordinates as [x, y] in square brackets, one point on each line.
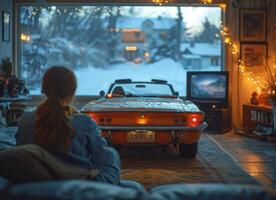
[253, 55]
[6, 23]
[253, 25]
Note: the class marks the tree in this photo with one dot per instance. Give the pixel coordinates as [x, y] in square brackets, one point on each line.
[179, 22]
[167, 49]
[208, 33]
[112, 35]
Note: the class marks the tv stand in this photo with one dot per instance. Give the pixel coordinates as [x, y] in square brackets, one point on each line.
[218, 119]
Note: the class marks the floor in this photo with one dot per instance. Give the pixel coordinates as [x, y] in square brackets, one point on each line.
[257, 157]
[151, 167]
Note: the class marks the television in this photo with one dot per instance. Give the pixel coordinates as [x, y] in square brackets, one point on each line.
[207, 88]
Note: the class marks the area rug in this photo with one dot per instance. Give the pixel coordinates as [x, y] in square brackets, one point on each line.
[151, 167]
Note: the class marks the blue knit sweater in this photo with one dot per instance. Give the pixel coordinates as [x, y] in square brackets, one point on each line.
[88, 149]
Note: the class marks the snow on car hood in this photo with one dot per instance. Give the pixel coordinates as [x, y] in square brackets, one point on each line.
[140, 104]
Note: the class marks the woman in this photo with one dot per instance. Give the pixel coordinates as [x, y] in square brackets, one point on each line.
[71, 136]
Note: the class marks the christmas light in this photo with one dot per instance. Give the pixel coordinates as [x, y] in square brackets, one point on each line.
[160, 2]
[207, 1]
[227, 40]
[223, 7]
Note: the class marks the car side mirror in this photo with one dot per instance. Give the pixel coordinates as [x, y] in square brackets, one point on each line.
[102, 93]
[176, 94]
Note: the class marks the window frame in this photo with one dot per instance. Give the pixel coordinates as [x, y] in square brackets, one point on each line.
[82, 98]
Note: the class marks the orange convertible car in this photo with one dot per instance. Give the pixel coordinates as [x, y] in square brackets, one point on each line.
[147, 113]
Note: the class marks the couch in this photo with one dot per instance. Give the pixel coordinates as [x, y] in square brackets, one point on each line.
[91, 190]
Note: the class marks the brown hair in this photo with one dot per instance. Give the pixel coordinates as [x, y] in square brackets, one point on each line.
[52, 128]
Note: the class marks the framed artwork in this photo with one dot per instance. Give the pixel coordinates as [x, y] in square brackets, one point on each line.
[6, 21]
[254, 55]
[253, 25]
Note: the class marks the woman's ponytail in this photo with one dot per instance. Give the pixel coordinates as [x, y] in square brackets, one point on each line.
[52, 123]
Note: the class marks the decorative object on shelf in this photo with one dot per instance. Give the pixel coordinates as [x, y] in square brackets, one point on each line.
[264, 97]
[6, 26]
[253, 25]
[254, 98]
[253, 55]
[11, 85]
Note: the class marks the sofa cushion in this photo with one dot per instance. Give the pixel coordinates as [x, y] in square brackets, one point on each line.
[212, 191]
[7, 137]
[63, 190]
[4, 187]
[33, 163]
[78, 190]
[3, 183]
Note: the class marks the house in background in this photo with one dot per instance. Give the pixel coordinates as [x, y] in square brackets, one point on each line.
[139, 35]
[201, 55]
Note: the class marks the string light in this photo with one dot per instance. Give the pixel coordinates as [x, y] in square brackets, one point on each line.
[207, 1]
[33, 11]
[160, 2]
[223, 7]
[227, 39]
[248, 75]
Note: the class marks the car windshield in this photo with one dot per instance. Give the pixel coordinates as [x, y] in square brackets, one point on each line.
[141, 89]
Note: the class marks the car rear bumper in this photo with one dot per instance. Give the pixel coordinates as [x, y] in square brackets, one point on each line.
[163, 135]
[159, 128]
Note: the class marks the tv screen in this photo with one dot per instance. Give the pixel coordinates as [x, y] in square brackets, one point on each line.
[208, 87]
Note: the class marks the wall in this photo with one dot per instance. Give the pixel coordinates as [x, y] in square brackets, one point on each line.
[6, 47]
[241, 87]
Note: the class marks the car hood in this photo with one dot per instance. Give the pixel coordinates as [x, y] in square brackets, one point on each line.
[140, 104]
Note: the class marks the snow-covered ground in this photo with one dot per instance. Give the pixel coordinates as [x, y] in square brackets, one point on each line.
[91, 80]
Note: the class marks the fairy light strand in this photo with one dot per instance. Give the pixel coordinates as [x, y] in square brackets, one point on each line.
[248, 75]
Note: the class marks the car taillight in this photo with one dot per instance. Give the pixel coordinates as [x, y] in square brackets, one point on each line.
[195, 119]
[98, 119]
[92, 115]
[142, 119]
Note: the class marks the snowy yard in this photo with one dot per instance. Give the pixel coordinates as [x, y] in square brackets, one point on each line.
[91, 80]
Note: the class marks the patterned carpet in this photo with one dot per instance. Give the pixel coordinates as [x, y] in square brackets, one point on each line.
[149, 166]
